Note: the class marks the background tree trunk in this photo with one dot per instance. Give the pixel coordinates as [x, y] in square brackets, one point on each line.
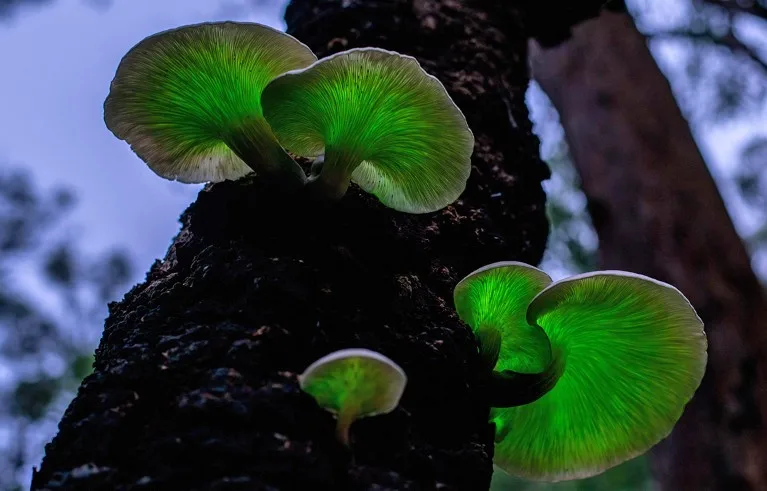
[195, 377]
[657, 211]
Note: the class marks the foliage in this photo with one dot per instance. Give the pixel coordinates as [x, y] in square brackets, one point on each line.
[9, 8]
[46, 340]
[572, 246]
[751, 180]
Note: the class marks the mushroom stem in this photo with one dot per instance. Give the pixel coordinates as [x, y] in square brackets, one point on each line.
[489, 344]
[508, 388]
[317, 164]
[253, 141]
[344, 420]
[331, 177]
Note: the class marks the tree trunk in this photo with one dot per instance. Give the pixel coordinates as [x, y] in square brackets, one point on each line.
[657, 211]
[195, 376]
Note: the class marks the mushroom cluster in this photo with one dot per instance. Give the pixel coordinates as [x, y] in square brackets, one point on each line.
[583, 373]
[588, 371]
[215, 101]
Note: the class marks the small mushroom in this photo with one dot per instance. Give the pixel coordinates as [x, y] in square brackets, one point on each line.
[631, 352]
[381, 121]
[353, 384]
[187, 101]
[492, 301]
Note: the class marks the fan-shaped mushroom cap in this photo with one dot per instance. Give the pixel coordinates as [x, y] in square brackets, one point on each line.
[495, 297]
[381, 121]
[187, 100]
[353, 384]
[633, 352]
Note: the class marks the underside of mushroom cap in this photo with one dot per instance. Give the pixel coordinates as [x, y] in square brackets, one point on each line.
[381, 121]
[367, 380]
[187, 100]
[633, 352]
[496, 296]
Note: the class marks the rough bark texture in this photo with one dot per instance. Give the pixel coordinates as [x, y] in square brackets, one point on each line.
[195, 376]
[657, 211]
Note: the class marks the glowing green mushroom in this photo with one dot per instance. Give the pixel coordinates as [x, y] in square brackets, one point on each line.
[492, 301]
[353, 384]
[381, 121]
[188, 101]
[632, 352]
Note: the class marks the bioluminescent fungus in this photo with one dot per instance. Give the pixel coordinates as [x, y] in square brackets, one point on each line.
[188, 101]
[631, 352]
[381, 121]
[492, 301]
[353, 384]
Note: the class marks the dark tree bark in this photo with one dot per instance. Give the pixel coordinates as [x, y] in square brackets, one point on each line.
[657, 211]
[195, 376]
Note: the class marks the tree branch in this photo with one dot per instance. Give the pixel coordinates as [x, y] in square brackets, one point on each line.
[729, 41]
[752, 7]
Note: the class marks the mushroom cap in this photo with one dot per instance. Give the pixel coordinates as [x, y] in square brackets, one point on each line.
[633, 352]
[362, 379]
[382, 109]
[177, 94]
[497, 296]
